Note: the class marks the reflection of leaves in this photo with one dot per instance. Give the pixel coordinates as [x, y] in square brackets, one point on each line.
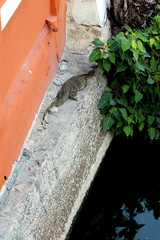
[127, 226]
[153, 204]
[138, 203]
[156, 211]
[130, 230]
[121, 191]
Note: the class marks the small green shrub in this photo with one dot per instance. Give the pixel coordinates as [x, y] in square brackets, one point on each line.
[131, 100]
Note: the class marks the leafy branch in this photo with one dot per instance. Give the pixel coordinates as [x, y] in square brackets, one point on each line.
[131, 61]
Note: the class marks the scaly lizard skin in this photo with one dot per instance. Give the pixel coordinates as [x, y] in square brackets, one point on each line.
[69, 90]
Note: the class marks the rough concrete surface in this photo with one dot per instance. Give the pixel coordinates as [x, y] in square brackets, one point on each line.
[48, 184]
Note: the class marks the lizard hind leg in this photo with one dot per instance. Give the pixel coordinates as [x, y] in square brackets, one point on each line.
[72, 95]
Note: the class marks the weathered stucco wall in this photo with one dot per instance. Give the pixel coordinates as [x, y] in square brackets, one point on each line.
[29, 53]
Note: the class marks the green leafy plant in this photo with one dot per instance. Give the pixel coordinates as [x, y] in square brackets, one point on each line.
[131, 61]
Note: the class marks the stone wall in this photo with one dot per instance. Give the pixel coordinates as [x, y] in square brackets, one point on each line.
[86, 20]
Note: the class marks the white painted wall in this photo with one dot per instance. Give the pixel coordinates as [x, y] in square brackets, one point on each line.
[7, 10]
[92, 12]
[101, 6]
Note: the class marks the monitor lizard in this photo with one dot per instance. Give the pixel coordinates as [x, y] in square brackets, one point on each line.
[69, 91]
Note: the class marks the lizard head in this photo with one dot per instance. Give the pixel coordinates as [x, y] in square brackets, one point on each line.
[90, 74]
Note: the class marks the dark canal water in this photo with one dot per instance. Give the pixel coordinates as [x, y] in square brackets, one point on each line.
[124, 200]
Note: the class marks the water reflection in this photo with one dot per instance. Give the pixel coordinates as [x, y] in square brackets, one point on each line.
[151, 228]
[124, 201]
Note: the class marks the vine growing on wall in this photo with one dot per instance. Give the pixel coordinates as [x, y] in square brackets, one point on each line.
[131, 61]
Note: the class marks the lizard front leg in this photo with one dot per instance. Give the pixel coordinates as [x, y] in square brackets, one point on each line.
[72, 95]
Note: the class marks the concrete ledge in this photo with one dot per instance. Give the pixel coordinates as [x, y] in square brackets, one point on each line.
[48, 184]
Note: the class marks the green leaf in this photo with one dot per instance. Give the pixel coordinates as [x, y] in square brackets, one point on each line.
[141, 118]
[140, 45]
[115, 113]
[128, 130]
[139, 66]
[103, 111]
[129, 60]
[103, 54]
[118, 131]
[141, 126]
[106, 64]
[105, 100]
[140, 111]
[150, 120]
[138, 96]
[151, 41]
[153, 64]
[145, 54]
[157, 44]
[114, 47]
[142, 37]
[95, 55]
[149, 30]
[119, 124]
[134, 87]
[135, 53]
[146, 66]
[108, 122]
[125, 88]
[134, 44]
[125, 44]
[110, 41]
[157, 109]
[112, 102]
[157, 77]
[158, 120]
[128, 28]
[97, 42]
[157, 134]
[150, 80]
[112, 57]
[130, 120]
[119, 36]
[122, 101]
[108, 89]
[100, 67]
[123, 112]
[152, 133]
[121, 68]
[131, 110]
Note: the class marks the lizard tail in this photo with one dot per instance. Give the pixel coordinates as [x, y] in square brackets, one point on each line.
[53, 104]
[43, 119]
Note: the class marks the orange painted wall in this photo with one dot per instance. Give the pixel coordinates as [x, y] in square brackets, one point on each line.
[29, 53]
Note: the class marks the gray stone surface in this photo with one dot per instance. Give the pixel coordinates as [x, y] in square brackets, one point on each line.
[58, 164]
